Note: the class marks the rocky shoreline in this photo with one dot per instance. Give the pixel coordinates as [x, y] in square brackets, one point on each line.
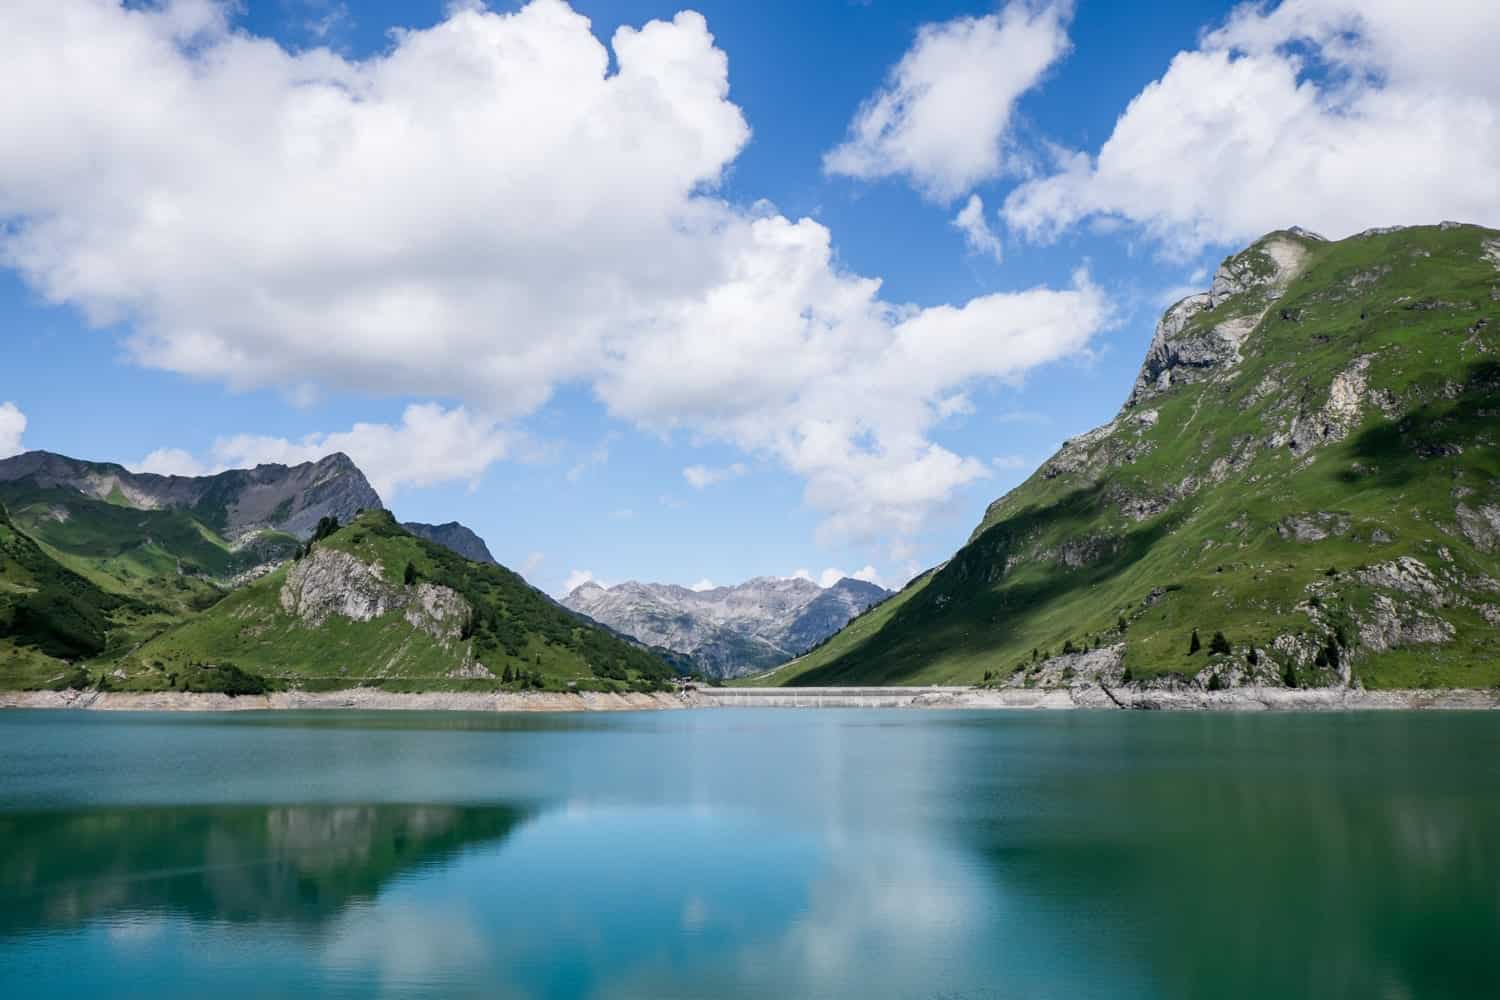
[1244, 699]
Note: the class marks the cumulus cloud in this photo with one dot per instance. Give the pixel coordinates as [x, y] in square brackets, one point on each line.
[174, 462]
[702, 585]
[12, 427]
[703, 476]
[431, 445]
[1335, 115]
[488, 210]
[577, 579]
[942, 118]
[981, 239]
[833, 575]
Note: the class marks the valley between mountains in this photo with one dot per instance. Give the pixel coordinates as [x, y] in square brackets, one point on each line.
[1300, 491]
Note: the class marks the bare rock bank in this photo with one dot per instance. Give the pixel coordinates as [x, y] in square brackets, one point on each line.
[1078, 696]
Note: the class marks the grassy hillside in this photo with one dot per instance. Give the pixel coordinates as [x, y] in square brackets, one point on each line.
[163, 557]
[50, 617]
[373, 604]
[1309, 465]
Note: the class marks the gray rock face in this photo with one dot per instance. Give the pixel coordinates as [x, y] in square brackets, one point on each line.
[1187, 347]
[1312, 527]
[728, 631]
[329, 583]
[455, 538]
[235, 503]
[1481, 527]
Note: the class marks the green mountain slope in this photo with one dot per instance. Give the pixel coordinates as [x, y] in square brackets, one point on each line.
[50, 617]
[165, 557]
[1307, 464]
[373, 604]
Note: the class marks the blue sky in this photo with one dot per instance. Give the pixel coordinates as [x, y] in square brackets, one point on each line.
[613, 304]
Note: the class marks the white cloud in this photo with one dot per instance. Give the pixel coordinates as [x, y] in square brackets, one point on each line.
[1010, 462]
[978, 235]
[577, 579]
[942, 118]
[173, 462]
[431, 445]
[702, 585]
[1022, 417]
[326, 18]
[833, 575]
[1335, 115]
[480, 214]
[597, 457]
[532, 563]
[12, 427]
[703, 476]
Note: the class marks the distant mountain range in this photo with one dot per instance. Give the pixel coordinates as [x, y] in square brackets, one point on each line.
[729, 631]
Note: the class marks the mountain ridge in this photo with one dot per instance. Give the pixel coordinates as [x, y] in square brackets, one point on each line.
[728, 631]
[235, 502]
[455, 537]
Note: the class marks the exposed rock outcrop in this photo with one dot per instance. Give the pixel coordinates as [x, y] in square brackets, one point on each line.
[1481, 525]
[329, 582]
[1188, 346]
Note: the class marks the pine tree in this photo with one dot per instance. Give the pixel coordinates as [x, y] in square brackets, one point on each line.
[1218, 644]
[1195, 643]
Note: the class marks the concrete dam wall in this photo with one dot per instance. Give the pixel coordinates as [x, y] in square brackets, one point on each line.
[827, 697]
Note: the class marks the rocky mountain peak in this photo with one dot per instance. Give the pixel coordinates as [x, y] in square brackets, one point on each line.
[728, 631]
[1204, 333]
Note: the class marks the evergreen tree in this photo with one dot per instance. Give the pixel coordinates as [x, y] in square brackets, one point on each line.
[1195, 643]
[1218, 644]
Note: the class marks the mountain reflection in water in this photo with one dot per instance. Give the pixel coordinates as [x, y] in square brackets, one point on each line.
[751, 853]
[298, 863]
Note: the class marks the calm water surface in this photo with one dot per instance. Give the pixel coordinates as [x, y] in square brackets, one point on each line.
[750, 853]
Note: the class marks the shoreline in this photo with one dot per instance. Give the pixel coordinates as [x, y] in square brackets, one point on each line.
[1249, 699]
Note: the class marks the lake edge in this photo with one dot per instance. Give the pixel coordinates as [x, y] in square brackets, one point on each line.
[1081, 697]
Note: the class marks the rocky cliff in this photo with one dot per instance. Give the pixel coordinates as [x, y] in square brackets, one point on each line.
[728, 631]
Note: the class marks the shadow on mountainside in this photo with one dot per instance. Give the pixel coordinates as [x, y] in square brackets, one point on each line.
[968, 600]
[1398, 452]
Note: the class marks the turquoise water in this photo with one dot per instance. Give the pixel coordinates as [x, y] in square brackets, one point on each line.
[750, 853]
